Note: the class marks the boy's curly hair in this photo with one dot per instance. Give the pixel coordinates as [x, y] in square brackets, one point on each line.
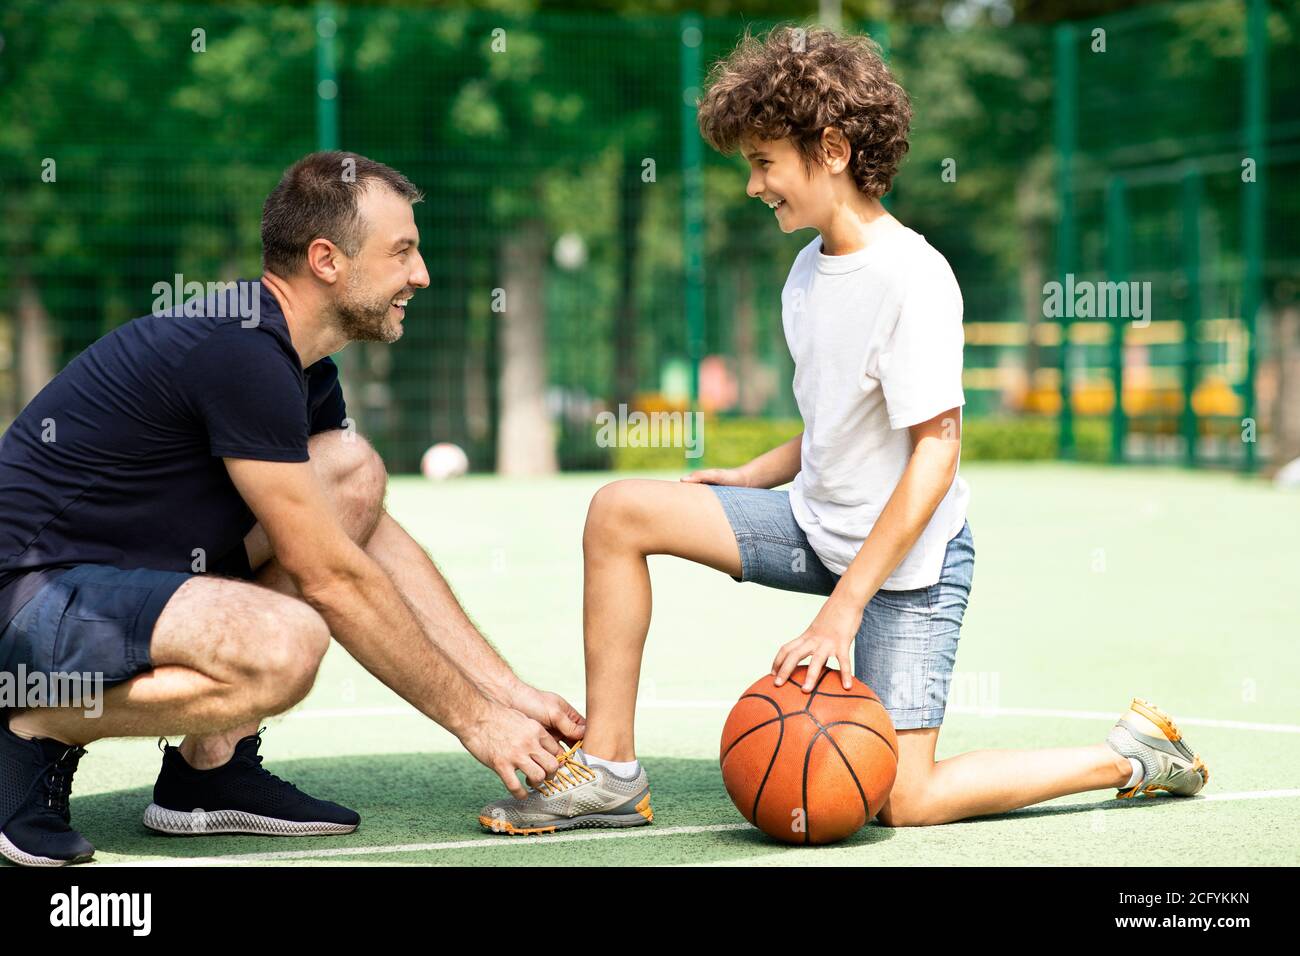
[796, 82]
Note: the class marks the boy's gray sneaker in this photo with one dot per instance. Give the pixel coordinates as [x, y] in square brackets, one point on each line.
[575, 797]
[1148, 734]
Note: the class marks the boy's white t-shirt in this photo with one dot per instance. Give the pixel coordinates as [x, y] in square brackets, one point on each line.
[877, 342]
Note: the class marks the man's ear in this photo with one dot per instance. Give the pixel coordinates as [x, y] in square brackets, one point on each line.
[836, 150]
[323, 260]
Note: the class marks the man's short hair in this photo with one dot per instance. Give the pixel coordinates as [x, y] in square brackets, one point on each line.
[796, 82]
[317, 198]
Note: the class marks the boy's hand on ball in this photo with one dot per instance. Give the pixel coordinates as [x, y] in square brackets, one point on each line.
[506, 740]
[718, 476]
[830, 635]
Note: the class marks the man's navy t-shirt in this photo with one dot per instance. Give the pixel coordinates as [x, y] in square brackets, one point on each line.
[117, 461]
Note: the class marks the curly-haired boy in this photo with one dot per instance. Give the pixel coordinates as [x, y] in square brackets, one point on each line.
[876, 516]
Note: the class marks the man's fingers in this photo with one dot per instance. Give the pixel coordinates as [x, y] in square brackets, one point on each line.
[532, 768]
[573, 728]
[547, 762]
[549, 744]
[572, 724]
[846, 678]
[512, 784]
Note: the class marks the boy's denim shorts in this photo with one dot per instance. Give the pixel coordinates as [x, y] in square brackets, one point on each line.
[91, 618]
[906, 646]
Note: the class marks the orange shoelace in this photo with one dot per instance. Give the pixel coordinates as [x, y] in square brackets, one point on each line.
[570, 773]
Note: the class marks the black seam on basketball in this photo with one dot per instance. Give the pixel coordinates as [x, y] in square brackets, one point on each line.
[866, 804]
[854, 723]
[796, 713]
[766, 723]
[807, 759]
[826, 672]
[753, 818]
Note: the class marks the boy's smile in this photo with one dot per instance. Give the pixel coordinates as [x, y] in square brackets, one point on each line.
[776, 174]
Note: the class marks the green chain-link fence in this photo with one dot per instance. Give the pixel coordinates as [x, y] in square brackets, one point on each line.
[558, 155]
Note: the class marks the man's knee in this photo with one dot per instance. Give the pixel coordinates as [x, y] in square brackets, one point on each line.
[290, 655]
[355, 476]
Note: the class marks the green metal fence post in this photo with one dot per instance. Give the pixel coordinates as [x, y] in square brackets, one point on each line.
[878, 30]
[1256, 107]
[327, 85]
[1066, 106]
[1117, 271]
[1192, 307]
[692, 199]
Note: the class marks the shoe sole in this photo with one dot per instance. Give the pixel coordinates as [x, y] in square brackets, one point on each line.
[1167, 727]
[589, 821]
[22, 858]
[188, 823]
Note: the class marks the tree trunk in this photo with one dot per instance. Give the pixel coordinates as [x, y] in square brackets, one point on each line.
[1286, 402]
[35, 357]
[1031, 281]
[525, 442]
[631, 200]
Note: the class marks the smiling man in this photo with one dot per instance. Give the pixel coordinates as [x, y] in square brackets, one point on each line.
[186, 510]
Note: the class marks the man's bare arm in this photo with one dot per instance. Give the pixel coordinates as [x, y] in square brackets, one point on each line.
[368, 616]
[447, 625]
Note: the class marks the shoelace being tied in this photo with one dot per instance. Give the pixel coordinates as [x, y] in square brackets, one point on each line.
[570, 773]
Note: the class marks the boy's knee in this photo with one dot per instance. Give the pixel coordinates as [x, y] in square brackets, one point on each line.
[904, 808]
[612, 513]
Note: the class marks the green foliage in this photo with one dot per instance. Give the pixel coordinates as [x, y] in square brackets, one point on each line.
[730, 442]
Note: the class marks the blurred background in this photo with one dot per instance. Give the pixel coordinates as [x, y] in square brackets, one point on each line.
[558, 151]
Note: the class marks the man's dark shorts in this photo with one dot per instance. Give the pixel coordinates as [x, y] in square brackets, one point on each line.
[90, 618]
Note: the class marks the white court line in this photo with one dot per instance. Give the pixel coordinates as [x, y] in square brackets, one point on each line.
[498, 842]
[485, 843]
[667, 704]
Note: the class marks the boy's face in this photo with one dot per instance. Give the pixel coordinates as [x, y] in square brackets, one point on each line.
[802, 197]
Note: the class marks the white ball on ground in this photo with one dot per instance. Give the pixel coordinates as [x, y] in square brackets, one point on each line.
[444, 460]
[1288, 476]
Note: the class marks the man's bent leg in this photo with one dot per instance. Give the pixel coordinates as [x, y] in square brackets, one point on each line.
[224, 652]
[355, 481]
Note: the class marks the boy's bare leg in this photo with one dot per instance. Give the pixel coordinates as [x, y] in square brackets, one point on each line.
[634, 518]
[990, 781]
[627, 521]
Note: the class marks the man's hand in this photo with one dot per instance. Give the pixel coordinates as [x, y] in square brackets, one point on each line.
[505, 741]
[830, 635]
[552, 711]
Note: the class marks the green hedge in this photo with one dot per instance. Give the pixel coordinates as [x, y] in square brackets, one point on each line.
[729, 442]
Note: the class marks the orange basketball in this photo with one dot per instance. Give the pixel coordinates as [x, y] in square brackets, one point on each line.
[809, 768]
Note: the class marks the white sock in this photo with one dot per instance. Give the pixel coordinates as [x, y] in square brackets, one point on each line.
[1138, 773]
[626, 768]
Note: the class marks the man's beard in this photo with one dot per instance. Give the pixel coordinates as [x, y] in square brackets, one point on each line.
[364, 318]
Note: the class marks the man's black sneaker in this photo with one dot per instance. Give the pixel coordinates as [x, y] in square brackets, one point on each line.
[35, 781]
[240, 796]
